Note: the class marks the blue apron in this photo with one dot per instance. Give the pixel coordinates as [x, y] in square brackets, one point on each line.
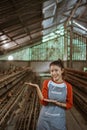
[52, 117]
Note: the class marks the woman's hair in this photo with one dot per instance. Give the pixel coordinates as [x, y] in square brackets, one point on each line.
[58, 62]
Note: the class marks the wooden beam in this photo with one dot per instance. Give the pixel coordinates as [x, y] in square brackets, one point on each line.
[72, 13]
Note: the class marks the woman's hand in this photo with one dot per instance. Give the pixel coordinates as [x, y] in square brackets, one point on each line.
[37, 88]
[31, 84]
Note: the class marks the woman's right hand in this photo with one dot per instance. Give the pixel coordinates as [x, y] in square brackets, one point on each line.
[37, 88]
[31, 84]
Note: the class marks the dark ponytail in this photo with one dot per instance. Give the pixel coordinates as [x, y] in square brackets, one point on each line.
[58, 62]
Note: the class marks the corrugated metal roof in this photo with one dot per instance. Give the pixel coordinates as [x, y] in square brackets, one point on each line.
[24, 23]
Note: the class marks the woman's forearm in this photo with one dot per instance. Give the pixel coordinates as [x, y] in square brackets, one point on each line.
[56, 102]
[60, 104]
[39, 93]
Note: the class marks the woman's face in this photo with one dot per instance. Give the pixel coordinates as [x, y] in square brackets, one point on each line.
[56, 73]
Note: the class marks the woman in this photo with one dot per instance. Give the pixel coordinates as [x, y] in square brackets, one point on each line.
[56, 97]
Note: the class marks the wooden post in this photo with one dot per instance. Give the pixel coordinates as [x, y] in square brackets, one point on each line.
[65, 47]
[71, 38]
[86, 51]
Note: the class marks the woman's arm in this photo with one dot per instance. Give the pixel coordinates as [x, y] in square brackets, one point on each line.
[45, 99]
[56, 102]
[69, 99]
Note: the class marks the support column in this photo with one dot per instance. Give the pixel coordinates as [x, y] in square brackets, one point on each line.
[86, 51]
[65, 57]
[71, 39]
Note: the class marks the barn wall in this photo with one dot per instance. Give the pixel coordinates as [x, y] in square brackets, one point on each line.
[40, 66]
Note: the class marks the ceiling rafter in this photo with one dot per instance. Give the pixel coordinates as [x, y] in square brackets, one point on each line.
[72, 12]
[21, 20]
